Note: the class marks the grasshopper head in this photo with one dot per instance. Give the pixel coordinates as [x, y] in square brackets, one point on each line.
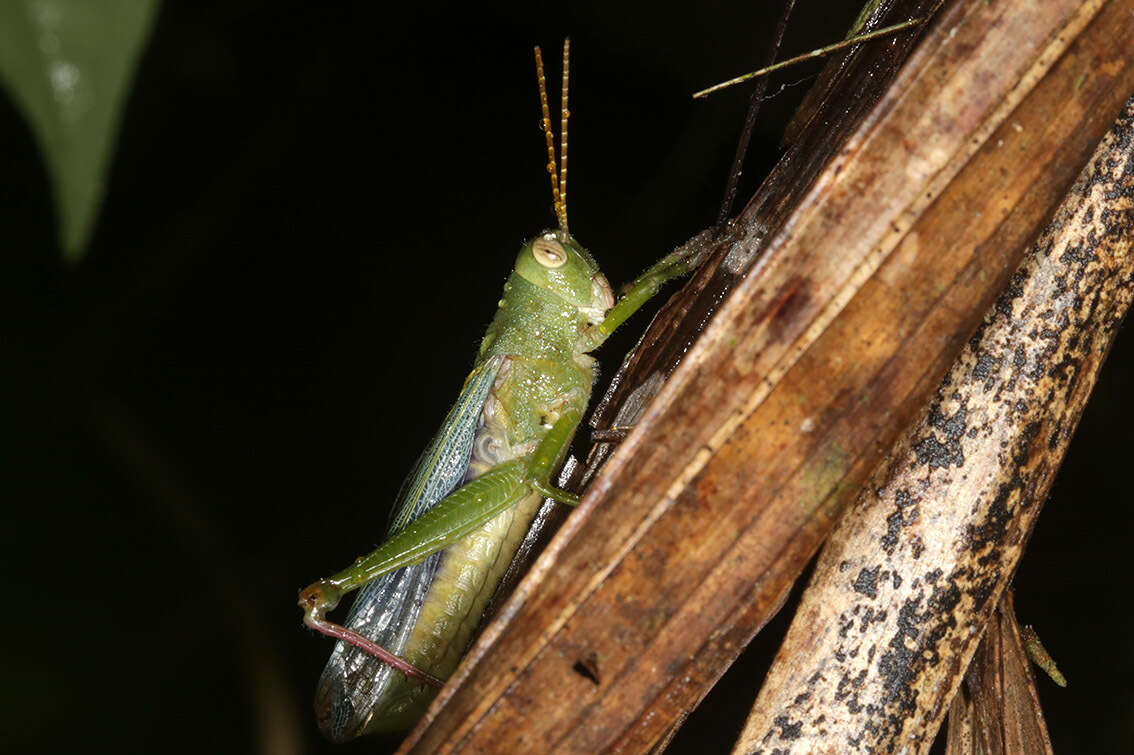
[558, 264]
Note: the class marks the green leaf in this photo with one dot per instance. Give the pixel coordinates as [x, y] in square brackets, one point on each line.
[67, 64]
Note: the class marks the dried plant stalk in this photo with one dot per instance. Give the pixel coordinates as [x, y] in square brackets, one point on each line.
[912, 573]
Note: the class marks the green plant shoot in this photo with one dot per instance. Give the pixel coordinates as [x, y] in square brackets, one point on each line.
[469, 500]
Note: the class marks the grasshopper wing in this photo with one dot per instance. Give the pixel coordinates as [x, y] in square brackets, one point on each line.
[358, 693]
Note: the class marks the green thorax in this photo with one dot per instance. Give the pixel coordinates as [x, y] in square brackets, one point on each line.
[554, 294]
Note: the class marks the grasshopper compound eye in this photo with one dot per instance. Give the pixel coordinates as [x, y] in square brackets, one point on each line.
[549, 253]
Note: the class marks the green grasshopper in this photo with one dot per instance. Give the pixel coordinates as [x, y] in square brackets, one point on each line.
[468, 502]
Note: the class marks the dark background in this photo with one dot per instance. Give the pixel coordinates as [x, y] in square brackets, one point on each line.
[309, 217]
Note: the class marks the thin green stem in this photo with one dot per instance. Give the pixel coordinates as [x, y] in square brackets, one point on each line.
[809, 55]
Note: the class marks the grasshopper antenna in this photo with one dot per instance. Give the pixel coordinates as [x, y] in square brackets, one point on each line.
[563, 116]
[558, 174]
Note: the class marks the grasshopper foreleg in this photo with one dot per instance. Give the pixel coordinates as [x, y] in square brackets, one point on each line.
[639, 291]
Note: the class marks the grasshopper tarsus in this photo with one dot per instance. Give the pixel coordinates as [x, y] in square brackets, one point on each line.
[318, 598]
[610, 435]
[547, 490]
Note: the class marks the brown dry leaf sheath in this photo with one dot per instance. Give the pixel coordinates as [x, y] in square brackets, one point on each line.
[997, 711]
[910, 576]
